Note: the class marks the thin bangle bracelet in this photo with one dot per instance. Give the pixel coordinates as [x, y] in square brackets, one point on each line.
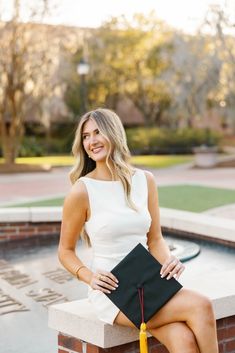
[79, 268]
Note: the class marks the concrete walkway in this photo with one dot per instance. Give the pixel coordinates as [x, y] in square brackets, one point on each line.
[16, 188]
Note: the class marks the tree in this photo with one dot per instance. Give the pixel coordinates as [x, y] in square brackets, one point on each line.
[127, 59]
[193, 77]
[220, 22]
[28, 61]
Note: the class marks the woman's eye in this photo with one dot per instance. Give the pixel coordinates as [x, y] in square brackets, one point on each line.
[84, 136]
[97, 132]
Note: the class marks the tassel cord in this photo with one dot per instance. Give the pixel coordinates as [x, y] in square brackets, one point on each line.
[142, 334]
[141, 299]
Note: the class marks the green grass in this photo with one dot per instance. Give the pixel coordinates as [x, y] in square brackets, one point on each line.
[194, 198]
[181, 197]
[152, 161]
[42, 203]
[162, 161]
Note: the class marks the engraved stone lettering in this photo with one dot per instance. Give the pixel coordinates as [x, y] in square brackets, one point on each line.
[17, 279]
[10, 305]
[46, 295]
[59, 275]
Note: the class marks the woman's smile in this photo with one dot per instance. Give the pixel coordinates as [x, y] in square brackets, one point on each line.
[96, 149]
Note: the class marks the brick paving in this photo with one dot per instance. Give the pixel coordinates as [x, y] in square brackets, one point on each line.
[16, 188]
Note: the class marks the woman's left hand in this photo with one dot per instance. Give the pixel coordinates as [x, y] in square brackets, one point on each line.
[172, 268]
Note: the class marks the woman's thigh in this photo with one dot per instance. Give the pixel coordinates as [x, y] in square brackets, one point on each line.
[179, 309]
[183, 307]
[176, 336]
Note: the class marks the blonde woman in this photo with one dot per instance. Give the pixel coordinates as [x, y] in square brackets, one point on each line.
[114, 206]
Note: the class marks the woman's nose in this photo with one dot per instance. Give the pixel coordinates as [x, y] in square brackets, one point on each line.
[93, 139]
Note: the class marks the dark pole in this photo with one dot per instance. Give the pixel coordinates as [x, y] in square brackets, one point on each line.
[83, 94]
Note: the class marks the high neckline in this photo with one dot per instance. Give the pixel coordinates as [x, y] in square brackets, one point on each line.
[106, 181]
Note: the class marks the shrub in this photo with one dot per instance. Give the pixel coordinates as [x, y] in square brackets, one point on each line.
[154, 140]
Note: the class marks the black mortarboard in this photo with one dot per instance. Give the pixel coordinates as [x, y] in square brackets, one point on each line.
[141, 291]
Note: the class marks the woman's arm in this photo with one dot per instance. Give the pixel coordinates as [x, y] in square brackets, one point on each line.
[156, 243]
[73, 219]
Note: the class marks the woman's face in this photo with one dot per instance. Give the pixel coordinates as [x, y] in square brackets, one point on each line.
[94, 143]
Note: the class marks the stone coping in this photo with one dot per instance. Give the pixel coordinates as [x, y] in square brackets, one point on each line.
[198, 224]
[210, 227]
[77, 318]
[30, 214]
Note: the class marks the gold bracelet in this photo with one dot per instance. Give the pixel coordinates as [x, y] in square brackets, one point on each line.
[79, 268]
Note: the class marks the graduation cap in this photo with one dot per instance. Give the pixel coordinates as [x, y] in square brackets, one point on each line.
[141, 291]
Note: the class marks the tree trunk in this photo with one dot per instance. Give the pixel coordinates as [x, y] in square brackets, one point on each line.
[11, 134]
[9, 153]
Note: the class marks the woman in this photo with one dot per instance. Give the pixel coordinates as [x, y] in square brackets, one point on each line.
[115, 206]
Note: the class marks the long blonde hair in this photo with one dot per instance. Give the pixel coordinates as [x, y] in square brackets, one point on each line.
[110, 126]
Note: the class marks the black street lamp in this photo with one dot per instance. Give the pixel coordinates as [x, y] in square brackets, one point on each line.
[83, 69]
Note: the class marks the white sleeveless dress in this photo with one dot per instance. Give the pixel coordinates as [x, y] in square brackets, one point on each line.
[114, 230]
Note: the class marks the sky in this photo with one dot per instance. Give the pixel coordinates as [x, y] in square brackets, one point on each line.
[182, 14]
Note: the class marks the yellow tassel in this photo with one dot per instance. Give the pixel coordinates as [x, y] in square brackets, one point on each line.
[143, 339]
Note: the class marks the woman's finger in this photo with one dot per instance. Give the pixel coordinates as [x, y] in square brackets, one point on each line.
[101, 281]
[169, 267]
[106, 279]
[105, 285]
[111, 276]
[180, 272]
[174, 272]
[165, 265]
[97, 287]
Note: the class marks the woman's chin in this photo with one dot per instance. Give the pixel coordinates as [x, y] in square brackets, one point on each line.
[99, 158]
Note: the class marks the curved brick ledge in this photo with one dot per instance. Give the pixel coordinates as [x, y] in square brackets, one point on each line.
[81, 331]
[27, 222]
[77, 319]
[21, 223]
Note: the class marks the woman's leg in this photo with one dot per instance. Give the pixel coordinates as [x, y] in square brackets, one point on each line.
[192, 308]
[176, 337]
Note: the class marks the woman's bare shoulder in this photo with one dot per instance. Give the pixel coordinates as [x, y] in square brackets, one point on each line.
[77, 195]
[149, 176]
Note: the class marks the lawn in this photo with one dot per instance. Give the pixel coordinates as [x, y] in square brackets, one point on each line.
[150, 161]
[194, 198]
[181, 197]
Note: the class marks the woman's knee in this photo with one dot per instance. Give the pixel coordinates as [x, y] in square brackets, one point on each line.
[202, 306]
[182, 340]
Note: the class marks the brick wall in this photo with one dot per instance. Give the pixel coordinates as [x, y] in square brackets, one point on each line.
[226, 334]
[225, 331]
[22, 230]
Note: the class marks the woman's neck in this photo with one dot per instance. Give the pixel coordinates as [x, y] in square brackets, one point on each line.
[102, 172]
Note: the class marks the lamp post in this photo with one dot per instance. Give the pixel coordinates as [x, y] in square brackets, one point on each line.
[83, 69]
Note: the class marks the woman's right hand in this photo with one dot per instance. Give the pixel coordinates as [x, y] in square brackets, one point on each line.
[103, 281]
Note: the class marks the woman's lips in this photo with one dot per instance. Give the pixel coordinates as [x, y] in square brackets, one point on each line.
[97, 149]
